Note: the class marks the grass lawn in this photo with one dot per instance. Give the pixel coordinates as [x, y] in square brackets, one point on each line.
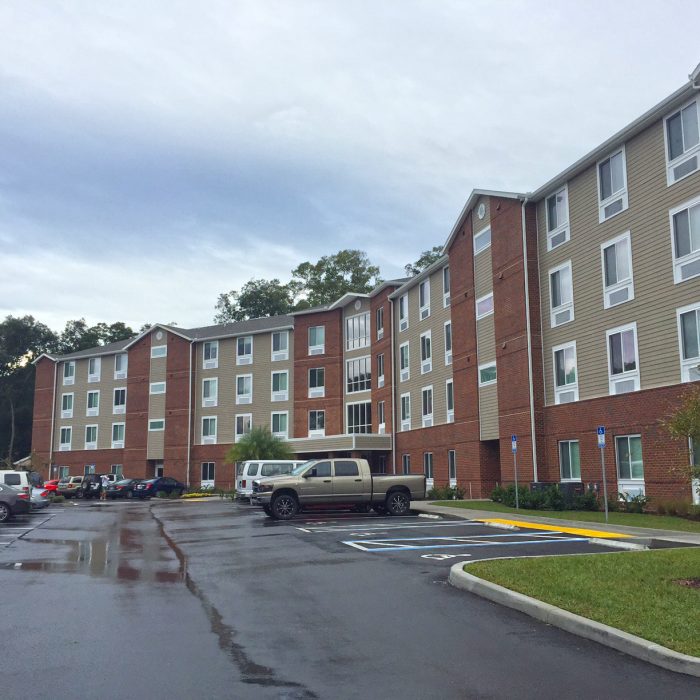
[658, 522]
[633, 591]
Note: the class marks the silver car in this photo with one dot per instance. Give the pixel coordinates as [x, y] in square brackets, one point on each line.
[39, 498]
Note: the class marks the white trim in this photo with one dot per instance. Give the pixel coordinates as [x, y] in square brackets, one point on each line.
[621, 195]
[281, 394]
[634, 481]
[156, 388]
[151, 421]
[690, 258]
[624, 285]
[563, 226]
[448, 353]
[561, 392]
[427, 419]
[690, 367]
[380, 376]
[70, 380]
[118, 444]
[209, 439]
[316, 391]
[692, 152]
[279, 355]
[65, 446]
[631, 375]
[405, 372]
[450, 412]
[94, 410]
[564, 313]
[211, 362]
[122, 373]
[452, 461]
[213, 398]
[68, 412]
[236, 435]
[92, 444]
[279, 433]
[360, 341]
[316, 432]
[569, 479]
[478, 247]
[94, 377]
[319, 348]
[247, 357]
[348, 404]
[379, 311]
[403, 312]
[405, 421]
[159, 351]
[118, 410]
[480, 315]
[424, 309]
[426, 364]
[446, 295]
[368, 366]
[488, 365]
[246, 398]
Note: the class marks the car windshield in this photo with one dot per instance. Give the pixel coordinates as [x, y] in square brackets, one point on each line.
[302, 467]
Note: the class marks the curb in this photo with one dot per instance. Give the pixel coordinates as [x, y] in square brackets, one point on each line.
[576, 624]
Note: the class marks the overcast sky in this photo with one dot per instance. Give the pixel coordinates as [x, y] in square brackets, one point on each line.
[155, 153]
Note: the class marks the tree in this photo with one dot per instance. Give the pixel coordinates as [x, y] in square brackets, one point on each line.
[427, 258]
[257, 299]
[334, 275]
[259, 443]
[684, 424]
[77, 335]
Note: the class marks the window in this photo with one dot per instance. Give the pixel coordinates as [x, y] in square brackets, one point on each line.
[404, 369]
[210, 392]
[317, 340]
[557, 211]
[94, 369]
[67, 406]
[452, 466]
[426, 353]
[424, 299]
[90, 437]
[159, 351]
[405, 411]
[118, 435]
[93, 403]
[244, 424]
[689, 339]
[685, 225]
[380, 370]
[379, 320]
[121, 366]
[348, 468]
[450, 400]
[617, 270]
[428, 465]
[119, 402]
[565, 373]
[244, 388]
[280, 386]
[317, 423]
[446, 286]
[279, 422]
[359, 375]
[682, 142]
[63, 472]
[482, 240]
[623, 365]
[630, 465]
[448, 343]
[406, 464]
[88, 469]
[208, 430]
[321, 470]
[157, 387]
[484, 306]
[280, 346]
[561, 295]
[612, 185]
[317, 382]
[357, 331]
[381, 425]
[210, 357]
[487, 374]
[65, 440]
[427, 406]
[117, 470]
[569, 460]
[69, 373]
[208, 472]
[244, 350]
[157, 425]
[359, 417]
[403, 312]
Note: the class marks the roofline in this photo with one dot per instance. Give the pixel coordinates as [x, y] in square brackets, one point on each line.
[381, 287]
[286, 327]
[348, 295]
[314, 310]
[46, 354]
[440, 263]
[143, 334]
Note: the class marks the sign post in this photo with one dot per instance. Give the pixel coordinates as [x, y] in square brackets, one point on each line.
[601, 445]
[514, 447]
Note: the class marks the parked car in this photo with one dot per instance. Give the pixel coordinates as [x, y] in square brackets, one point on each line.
[246, 472]
[12, 502]
[51, 485]
[40, 499]
[123, 488]
[22, 480]
[90, 487]
[69, 485]
[161, 484]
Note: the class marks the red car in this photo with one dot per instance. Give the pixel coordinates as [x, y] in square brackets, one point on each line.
[51, 485]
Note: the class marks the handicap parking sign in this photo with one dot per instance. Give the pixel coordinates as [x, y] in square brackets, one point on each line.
[601, 436]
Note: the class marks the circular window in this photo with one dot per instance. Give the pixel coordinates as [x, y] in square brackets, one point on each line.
[481, 211]
[358, 304]
[159, 335]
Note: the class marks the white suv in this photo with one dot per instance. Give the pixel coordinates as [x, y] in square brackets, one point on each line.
[246, 472]
[21, 480]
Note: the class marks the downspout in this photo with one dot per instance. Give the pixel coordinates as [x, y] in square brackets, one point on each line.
[189, 416]
[393, 388]
[529, 344]
[53, 419]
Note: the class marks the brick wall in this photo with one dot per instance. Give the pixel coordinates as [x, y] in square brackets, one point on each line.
[44, 383]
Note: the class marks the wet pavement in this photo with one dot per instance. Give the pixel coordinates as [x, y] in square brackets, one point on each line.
[214, 600]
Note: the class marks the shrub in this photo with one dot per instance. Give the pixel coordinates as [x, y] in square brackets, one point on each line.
[446, 493]
[634, 504]
[661, 508]
[694, 512]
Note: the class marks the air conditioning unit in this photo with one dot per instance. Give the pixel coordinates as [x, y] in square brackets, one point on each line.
[244, 399]
[211, 364]
[426, 366]
[317, 350]
[209, 440]
[380, 381]
[562, 317]
[405, 374]
[685, 168]
[280, 396]
[245, 360]
[118, 409]
[280, 356]
[120, 375]
[405, 425]
[427, 422]
[209, 402]
[381, 428]
[448, 358]
[317, 392]
[403, 325]
[424, 313]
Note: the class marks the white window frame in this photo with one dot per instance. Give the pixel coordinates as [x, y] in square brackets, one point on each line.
[317, 348]
[118, 444]
[623, 479]
[121, 408]
[65, 446]
[367, 361]
[317, 391]
[427, 419]
[562, 227]
[560, 392]
[379, 321]
[211, 362]
[488, 365]
[209, 439]
[122, 373]
[450, 390]
[67, 412]
[403, 313]
[628, 282]
[316, 432]
[619, 194]
[424, 291]
[479, 301]
[281, 353]
[448, 351]
[96, 363]
[381, 417]
[452, 467]
[687, 154]
[210, 474]
[247, 357]
[566, 306]
[91, 444]
[249, 416]
[380, 370]
[426, 342]
[404, 372]
[353, 325]
[368, 425]
[405, 403]
[693, 256]
[92, 411]
[480, 247]
[156, 388]
[70, 378]
[569, 479]
[281, 394]
[159, 351]
[690, 367]
[428, 466]
[446, 287]
[156, 429]
[282, 434]
[213, 398]
[406, 463]
[246, 398]
[630, 375]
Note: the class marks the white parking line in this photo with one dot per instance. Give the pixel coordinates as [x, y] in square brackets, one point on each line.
[354, 527]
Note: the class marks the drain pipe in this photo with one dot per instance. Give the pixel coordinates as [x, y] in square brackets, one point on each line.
[189, 416]
[53, 419]
[393, 388]
[529, 344]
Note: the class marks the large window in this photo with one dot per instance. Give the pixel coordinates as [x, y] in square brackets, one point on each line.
[428, 465]
[446, 286]
[317, 382]
[280, 346]
[565, 373]
[685, 224]
[682, 142]
[569, 460]
[482, 240]
[279, 421]
[208, 473]
[210, 392]
[280, 386]
[405, 411]
[484, 306]
[612, 185]
[119, 405]
[93, 403]
[67, 406]
[244, 424]
[121, 365]
[379, 320]
[426, 352]
[617, 270]
[210, 358]
[359, 417]
[244, 388]
[557, 207]
[65, 439]
[623, 363]
[629, 457]
[380, 370]
[69, 373]
[359, 374]
[427, 406]
[448, 342]
[244, 350]
[689, 336]
[403, 312]
[450, 400]
[561, 294]
[94, 369]
[357, 331]
[317, 423]
[404, 363]
[209, 429]
[317, 340]
[424, 298]
[118, 431]
[90, 437]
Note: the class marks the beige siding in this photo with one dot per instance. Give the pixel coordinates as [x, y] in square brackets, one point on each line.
[481, 224]
[485, 340]
[488, 412]
[355, 353]
[483, 273]
[656, 297]
[156, 402]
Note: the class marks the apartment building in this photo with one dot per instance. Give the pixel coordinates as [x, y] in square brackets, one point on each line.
[549, 314]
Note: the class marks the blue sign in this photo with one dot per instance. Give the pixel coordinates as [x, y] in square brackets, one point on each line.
[601, 436]
[514, 443]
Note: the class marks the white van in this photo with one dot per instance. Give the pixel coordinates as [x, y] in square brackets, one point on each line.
[21, 480]
[247, 472]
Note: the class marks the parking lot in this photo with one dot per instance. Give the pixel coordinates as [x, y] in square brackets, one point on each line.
[24, 524]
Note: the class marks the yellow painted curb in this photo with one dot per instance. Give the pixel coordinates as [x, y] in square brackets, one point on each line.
[558, 528]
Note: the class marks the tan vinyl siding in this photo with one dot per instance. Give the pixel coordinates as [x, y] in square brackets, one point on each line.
[656, 297]
[488, 412]
[156, 444]
[481, 224]
[483, 273]
[485, 339]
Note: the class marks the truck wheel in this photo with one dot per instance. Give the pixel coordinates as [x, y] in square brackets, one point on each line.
[284, 507]
[268, 510]
[398, 503]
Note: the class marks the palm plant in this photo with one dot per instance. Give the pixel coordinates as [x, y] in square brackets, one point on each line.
[259, 443]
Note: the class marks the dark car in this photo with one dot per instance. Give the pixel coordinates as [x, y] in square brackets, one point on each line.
[91, 486]
[162, 484]
[12, 502]
[124, 488]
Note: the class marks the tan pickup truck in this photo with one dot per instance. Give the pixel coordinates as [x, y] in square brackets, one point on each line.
[336, 483]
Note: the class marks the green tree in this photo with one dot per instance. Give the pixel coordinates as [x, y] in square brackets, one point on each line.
[259, 443]
[257, 299]
[683, 423]
[426, 259]
[77, 335]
